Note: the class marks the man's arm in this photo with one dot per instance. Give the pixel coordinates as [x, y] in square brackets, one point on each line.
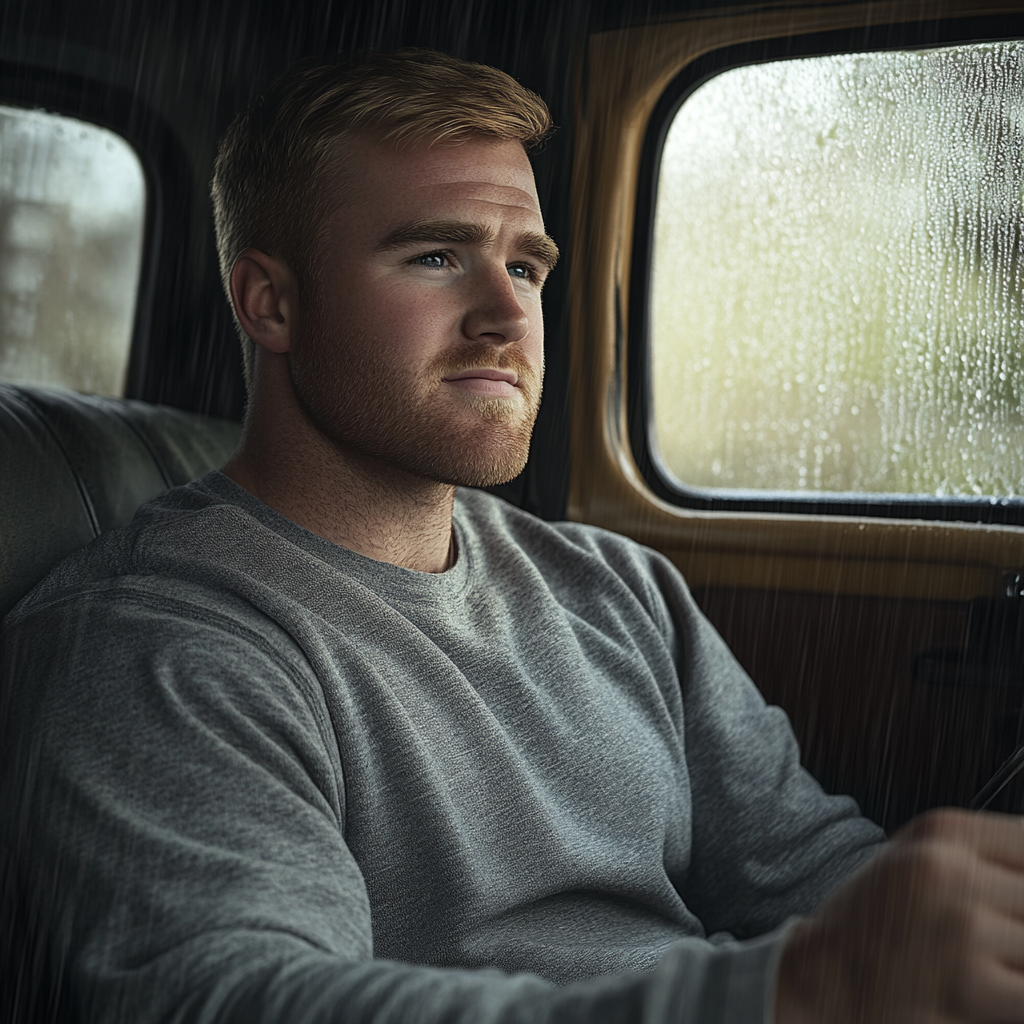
[767, 842]
[930, 929]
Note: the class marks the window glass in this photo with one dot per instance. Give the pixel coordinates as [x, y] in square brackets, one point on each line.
[72, 203]
[836, 294]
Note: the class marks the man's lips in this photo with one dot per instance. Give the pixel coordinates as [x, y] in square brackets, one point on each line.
[485, 373]
[485, 380]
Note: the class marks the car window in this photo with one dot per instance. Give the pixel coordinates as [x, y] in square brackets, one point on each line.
[72, 207]
[836, 278]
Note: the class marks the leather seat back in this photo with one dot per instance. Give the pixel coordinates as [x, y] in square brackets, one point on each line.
[73, 466]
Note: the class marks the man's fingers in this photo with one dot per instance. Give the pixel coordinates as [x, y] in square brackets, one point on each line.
[997, 936]
[998, 838]
[1002, 888]
[930, 930]
[997, 996]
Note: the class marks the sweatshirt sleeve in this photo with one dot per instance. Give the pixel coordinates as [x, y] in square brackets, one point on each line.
[768, 842]
[173, 817]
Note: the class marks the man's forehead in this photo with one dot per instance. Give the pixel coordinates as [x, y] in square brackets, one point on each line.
[472, 191]
[485, 170]
[505, 167]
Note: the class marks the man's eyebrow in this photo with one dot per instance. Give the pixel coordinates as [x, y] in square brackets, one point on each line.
[540, 247]
[431, 232]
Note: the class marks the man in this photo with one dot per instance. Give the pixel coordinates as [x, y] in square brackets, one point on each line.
[319, 738]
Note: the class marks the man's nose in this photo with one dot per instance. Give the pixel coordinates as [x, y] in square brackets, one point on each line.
[496, 312]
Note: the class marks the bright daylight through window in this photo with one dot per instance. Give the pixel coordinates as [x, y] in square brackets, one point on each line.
[72, 204]
[836, 298]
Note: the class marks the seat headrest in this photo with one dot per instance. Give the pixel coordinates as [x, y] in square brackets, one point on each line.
[73, 466]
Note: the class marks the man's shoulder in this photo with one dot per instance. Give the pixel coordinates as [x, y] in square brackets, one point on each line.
[557, 548]
[171, 538]
[511, 524]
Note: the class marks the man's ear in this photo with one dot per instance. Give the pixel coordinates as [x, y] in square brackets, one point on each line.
[265, 294]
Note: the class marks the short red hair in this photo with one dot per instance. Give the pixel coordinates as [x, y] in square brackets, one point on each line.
[276, 179]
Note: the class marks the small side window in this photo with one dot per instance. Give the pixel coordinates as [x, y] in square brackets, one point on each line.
[72, 208]
[836, 303]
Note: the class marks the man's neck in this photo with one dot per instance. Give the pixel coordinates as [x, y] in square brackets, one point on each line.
[360, 503]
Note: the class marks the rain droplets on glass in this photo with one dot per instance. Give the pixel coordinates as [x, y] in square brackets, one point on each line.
[836, 300]
[72, 204]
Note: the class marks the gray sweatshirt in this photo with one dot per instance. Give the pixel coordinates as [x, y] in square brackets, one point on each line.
[251, 776]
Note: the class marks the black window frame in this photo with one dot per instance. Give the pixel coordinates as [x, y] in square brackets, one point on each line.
[900, 36]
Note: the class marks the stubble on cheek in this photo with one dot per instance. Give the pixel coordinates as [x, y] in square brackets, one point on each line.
[359, 402]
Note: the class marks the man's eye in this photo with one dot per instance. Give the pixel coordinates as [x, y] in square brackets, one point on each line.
[523, 271]
[434, 260]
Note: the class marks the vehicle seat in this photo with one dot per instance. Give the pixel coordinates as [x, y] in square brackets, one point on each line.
[73, 466]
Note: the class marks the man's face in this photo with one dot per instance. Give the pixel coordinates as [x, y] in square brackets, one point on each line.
[423, 346]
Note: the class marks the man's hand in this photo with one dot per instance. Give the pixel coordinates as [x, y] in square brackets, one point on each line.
[929, 932]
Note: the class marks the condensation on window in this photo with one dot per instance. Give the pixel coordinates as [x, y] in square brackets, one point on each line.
[72, 205]
[836, 300]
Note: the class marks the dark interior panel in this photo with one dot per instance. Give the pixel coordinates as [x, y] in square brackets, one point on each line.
[893, 701]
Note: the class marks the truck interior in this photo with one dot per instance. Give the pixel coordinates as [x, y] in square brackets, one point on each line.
[878, 602]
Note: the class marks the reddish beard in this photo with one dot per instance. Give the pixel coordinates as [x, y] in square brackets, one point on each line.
[347, 389]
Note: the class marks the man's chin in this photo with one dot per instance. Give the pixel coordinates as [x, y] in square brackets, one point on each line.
[460, 471]
[491, 478]
[489, 446]
[497, 410]
[490, 452]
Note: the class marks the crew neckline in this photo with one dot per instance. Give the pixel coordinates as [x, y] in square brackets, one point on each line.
[411, 583]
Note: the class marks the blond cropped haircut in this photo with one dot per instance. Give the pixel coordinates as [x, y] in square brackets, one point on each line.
[280, 169]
